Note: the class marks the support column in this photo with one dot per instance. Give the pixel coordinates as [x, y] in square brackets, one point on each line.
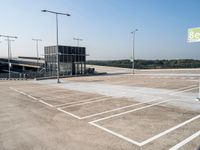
[84, 68]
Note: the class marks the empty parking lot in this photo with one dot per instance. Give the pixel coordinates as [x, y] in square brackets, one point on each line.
[150, 110]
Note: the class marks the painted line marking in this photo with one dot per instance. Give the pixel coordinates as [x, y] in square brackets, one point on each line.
[88, 102]
[24, 94]
[52, 97]
[179, 90]
[112, 110]
[184, 90]
[179, 145]
[41, 101]
[148, 140]
[71, 95]
[169, 130]
[31, 97]
[78, 102]
[116, 134]
[68, 113]
[116, 109]
[133, 110]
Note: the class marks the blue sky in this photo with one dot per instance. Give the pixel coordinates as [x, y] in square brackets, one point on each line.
[105, 26]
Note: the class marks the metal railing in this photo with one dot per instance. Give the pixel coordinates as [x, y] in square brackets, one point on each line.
[13, 76]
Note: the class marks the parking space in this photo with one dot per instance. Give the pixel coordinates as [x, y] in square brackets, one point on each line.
[151, 124]
[138, 123]
[144, 112]
[156, 82]
[141, 126]
[43, 90]
[71, 99]
[188, 143]
[55, 96]
[95, 108]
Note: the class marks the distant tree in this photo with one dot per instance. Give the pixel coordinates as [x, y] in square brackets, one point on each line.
[149, 64]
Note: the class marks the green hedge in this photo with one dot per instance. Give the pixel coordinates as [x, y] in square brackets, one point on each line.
[149, 64]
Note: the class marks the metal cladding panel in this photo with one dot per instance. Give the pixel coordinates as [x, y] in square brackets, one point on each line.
[70, 54]
[71, 59]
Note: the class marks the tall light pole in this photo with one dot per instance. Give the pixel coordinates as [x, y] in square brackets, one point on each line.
[9, 50]
[133, 64]
[10, 53]
[57, 13]
[37, 51]
[78, 40]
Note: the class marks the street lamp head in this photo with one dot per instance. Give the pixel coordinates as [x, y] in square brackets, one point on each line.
[9, 40]
[44, 10]
[77, 39]
[53, 12]
[7, 36]
[36, 39]
[134, 31]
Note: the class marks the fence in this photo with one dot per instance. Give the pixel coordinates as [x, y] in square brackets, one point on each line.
[16, 76]
[42, 74]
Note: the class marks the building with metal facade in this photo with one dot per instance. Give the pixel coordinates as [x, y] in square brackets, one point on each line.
[72, 60]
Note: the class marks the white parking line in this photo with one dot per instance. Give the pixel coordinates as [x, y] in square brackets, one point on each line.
[80, 102]
[146, 141]
[68, 113]
[174, 93]
[41, 101]
[179, 90]
[53, 98]
[31, 96]
[70, 95]
[169, 130]
[88, 102]
[179, 145]
[24, 94]
[133, 110]
[96, 114]
[183, 88]
[116, 134]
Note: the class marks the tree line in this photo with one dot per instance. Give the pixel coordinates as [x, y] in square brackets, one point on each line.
[148, 64]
